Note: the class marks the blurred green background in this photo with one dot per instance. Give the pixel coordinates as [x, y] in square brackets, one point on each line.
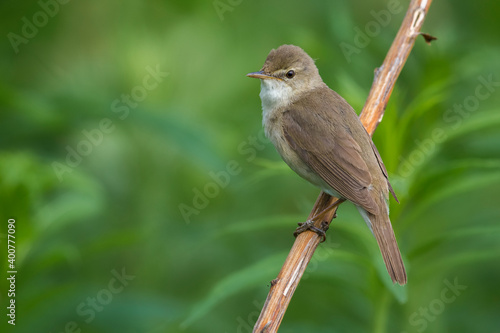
[147, 200]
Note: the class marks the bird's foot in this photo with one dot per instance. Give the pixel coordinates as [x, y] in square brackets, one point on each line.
[309, 225]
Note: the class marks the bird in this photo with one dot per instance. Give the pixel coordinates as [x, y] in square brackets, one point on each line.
[319, 135]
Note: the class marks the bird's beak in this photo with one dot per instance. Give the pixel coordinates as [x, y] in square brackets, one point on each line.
[262, 75]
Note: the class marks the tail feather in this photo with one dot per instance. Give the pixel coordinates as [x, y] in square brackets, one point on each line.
[382, 230]
[381, 227]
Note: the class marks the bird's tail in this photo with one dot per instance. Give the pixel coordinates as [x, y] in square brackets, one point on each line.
[382, 230]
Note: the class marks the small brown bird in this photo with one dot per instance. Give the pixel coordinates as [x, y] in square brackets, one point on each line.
[319, 135]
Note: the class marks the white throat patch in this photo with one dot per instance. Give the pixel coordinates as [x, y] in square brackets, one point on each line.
[274, 94]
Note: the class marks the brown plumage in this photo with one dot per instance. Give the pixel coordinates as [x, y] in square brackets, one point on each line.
[320, 137]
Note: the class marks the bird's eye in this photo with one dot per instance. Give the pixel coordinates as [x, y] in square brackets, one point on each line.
[290, 74]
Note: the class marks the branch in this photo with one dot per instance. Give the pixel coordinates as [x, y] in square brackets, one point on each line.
[283, 287]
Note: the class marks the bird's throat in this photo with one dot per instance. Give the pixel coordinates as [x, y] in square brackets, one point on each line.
[275, 95]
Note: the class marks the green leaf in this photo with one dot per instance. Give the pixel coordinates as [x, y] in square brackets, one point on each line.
[246, 278]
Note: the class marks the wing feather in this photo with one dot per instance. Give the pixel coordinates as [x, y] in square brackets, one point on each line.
[330, 149]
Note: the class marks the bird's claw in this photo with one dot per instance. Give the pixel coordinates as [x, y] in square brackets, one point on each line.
[309, 225]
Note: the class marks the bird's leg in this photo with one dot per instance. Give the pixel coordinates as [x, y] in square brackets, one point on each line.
[309, 224]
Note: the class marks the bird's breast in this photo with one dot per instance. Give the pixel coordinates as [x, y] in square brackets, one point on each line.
[275, 131]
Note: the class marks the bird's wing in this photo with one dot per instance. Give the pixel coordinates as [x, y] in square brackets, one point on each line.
[384, 171]
[325, 143]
